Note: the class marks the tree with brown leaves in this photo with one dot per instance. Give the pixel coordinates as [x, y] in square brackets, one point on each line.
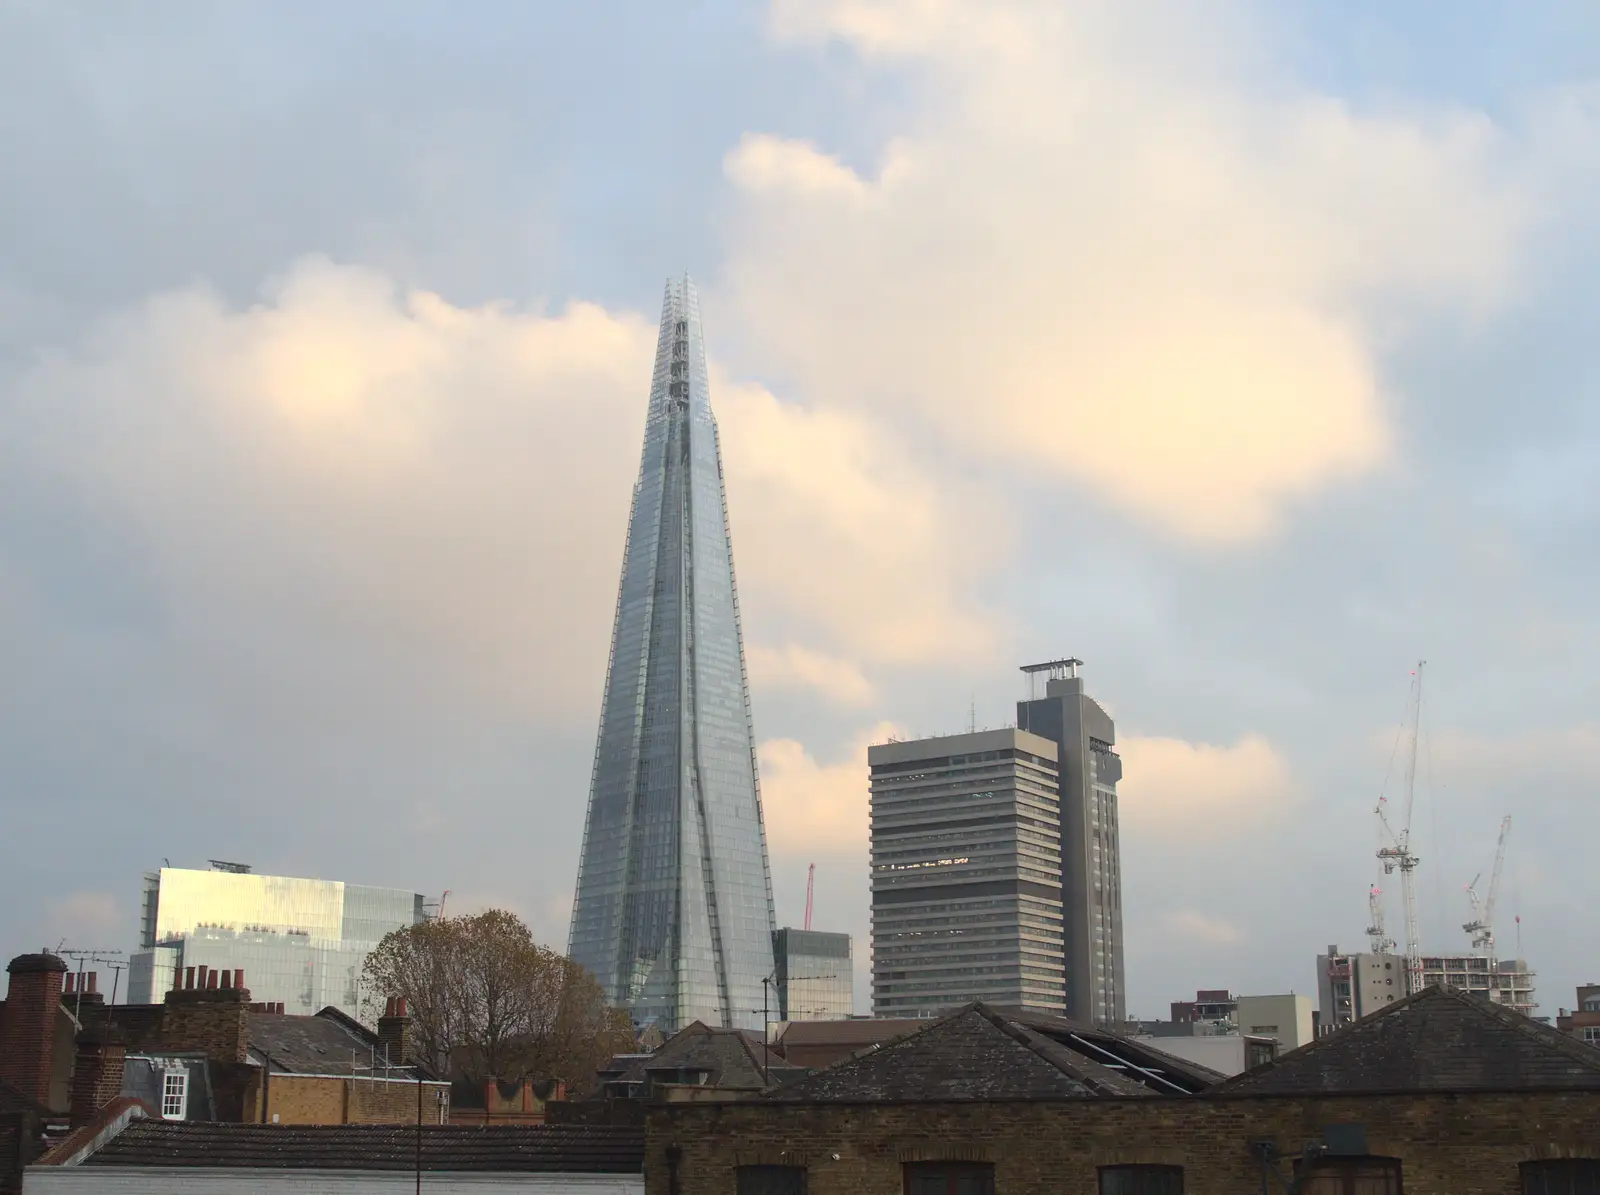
[487, 1001]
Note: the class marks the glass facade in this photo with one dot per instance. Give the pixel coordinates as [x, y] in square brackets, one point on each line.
[673, 911]
[813, 976]
[299, 942]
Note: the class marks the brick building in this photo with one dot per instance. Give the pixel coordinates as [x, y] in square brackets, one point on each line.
[207, 1053]
[1440, 1094]
[1582, 1020]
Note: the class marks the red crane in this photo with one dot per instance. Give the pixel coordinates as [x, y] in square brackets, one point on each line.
[811, 879]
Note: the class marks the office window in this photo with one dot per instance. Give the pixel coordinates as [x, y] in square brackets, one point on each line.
[1353, 1176]
[174, 1094]
[949, 1178]
[1561, 1176]
[1141, 1180]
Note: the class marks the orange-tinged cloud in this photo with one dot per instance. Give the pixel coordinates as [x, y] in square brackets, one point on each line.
[1114, 267]
[1175, 788]
[810, 806]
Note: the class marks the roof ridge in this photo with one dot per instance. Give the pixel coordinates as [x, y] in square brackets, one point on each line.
[1544, 1034]
[1320, 1043]
[873, 1049]
[1100, 1079]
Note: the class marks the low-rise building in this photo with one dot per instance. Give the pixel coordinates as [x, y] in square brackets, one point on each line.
[1442, 1093]
[1285, 1019]
[1582, 1020]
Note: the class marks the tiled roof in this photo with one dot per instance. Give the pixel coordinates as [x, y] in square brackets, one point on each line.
[974, 1053]
[329, 1043]
[732, 1056]
[862, 1032]
[1440, 1039]
[569, 1149]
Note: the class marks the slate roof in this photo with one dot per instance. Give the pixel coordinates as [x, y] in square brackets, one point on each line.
[732, 1056]
[977, 1053]
[329, 1043]
[560, 1149]
[1440, 1039]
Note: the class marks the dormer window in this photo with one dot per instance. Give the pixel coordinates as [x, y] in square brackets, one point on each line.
[174, 1094]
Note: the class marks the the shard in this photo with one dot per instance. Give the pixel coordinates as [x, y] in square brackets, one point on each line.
[673, 911]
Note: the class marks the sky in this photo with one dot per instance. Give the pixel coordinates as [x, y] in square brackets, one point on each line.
[1243, 350]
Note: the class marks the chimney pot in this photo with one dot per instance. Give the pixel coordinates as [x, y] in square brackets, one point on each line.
[94, 981]
[400, 1006]
[238, 978]
[227, 980]
[211, 981]
[188, 978]
[67, 982]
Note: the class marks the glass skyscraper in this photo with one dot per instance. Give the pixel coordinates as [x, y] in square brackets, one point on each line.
[673, 911]
[299, 942]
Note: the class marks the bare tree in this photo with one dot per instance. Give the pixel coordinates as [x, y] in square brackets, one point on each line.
[487, 1001]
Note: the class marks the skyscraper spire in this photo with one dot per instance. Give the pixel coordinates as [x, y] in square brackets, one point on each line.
[673, 911]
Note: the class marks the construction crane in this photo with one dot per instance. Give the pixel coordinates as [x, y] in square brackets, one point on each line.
[811, 879]
[1396, 853]
[1380, 941]
[1481, 928]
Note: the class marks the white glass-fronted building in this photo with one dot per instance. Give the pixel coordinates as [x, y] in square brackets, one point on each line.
[673, 911]
[299, 942]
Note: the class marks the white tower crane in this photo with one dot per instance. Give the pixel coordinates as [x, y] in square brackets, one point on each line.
[1396, 853]
[1481, 927]
[1380, 941]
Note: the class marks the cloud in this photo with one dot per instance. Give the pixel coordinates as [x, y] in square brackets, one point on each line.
[850, 541]
[83, 919]
[793, 666]
[817, 807]
[1164, 279]
[1190, 925]
[350, 496]
[1171, 787]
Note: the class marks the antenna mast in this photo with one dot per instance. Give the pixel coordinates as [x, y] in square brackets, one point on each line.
[1397, 854]
[811, 879]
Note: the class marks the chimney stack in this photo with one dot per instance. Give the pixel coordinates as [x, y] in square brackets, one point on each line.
[394, 1032]
[96, 1072]
[212, 1019]
[28, 1032]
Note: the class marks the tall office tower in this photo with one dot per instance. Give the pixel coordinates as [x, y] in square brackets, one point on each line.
[1091, 869]
[814, 979]
[673, 912]
[966, 874]
[301, 943]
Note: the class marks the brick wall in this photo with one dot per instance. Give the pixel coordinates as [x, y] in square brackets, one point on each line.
[18, 1144]
[27, 1034]
[316, 1099]
[216, 1021]
[97, 1075]
[1449, 1144]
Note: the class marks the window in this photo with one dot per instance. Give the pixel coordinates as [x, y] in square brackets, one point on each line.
[949, 1178]
[174, 1094]
[1561, 1176]
[771, 1180]
[1352, 1176]
[1141, 1180]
